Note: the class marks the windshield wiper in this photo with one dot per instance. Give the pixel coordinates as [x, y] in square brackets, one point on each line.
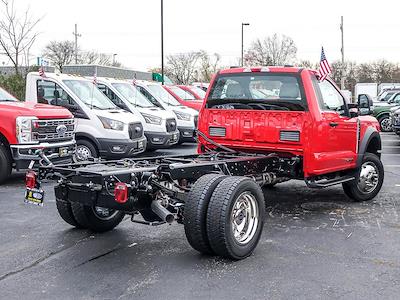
[8, 100]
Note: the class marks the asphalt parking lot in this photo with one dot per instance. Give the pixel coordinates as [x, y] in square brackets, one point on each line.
[316, 245]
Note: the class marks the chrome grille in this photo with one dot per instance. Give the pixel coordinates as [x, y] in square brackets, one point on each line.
[170, 125]
[217, 131]
[290, 136]
[135, 131]
[53, 130]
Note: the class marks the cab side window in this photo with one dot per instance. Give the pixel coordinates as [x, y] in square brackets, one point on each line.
[49, 92]
[396, 99]
[330, 98]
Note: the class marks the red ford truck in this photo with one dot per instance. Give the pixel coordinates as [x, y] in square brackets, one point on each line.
[27, 127]
[258, 127]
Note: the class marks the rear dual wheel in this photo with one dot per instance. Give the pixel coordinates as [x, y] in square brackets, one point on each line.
[224, 218]
[97, 219]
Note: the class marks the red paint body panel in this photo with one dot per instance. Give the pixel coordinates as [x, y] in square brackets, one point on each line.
[195, 104]
[9, 111]
[324, 149]
[187, 89]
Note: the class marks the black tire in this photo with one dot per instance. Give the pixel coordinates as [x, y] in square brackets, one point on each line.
[5, 163]
[89, 146]
[352, 189]
[219, 222]
[65, 212]
[87, 218]
[195, 213]
[383, 121]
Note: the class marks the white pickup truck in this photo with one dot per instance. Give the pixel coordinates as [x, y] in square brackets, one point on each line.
[102, 128]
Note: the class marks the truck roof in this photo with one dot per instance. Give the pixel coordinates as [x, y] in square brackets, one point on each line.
[272, 69]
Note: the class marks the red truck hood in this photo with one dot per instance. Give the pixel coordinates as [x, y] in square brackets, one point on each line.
[42, 111]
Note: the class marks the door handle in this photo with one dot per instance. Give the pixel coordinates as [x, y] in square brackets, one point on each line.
[333, 124]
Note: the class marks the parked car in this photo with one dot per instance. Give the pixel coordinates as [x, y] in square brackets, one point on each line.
[186, 117]
[159, 124]
[26, 127]
[382, 111]
[184, 97]
[395, 119]
[247, 140]
[103, 129]
[197, 92]
[385, 95]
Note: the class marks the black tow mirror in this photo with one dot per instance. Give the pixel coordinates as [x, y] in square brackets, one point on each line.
[364, 104]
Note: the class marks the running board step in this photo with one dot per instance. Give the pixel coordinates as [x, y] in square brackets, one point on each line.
[328, 182]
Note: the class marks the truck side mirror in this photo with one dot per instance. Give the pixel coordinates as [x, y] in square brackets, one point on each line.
[364, 104]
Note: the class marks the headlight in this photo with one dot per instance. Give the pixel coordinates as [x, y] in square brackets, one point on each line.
[24, 130]
[182, 116]
[151, 119]
[112, 124]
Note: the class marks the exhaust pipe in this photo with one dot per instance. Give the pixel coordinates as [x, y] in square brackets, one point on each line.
[162, 212]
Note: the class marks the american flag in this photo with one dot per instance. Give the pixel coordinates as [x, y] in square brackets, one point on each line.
[324, 67]
[41, 71]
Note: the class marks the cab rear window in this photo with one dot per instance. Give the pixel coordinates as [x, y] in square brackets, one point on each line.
[261, 91]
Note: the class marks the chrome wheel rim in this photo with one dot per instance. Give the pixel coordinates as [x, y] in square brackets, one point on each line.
[369, 178]
[83, 153]
[386, 124]
[104, 213]
[244, 218]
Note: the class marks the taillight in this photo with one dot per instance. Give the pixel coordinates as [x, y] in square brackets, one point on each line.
[121, 192]
[30, 179]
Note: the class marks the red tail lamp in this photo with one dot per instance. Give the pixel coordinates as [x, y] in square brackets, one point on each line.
[121, 192]
[30, 179]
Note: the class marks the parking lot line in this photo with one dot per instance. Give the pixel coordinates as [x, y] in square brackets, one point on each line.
[392, 166]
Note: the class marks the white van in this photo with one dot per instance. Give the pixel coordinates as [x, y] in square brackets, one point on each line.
[186, 117]
[159, 124]
[102, 128]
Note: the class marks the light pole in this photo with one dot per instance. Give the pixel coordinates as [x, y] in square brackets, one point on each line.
[162, 42]
[243, 24]
[114, 55]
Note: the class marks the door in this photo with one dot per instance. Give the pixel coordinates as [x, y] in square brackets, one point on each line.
[335, 138]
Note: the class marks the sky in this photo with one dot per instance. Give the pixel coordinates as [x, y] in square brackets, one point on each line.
[131, 28]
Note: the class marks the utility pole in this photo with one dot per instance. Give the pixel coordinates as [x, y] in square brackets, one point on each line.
[342, 50]
[76, 34]
[162, 42]
[243, 24]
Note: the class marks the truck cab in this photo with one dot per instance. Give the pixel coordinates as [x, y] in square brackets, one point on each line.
[160, 126]
[290, 111]
[186, 117]
[27, 127]
[102, 128]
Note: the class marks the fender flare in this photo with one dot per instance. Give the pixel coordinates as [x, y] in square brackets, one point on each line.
[370, 134]
[87, 136]
[381, 114]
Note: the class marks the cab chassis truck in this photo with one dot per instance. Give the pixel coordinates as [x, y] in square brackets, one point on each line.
[216, 194]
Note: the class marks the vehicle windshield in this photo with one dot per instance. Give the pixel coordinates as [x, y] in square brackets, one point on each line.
[184, 95]
[198, 91]
[131, 93]
[257, 91]
[6, 96]
[389, 95]
[88, 93]
[163, 95]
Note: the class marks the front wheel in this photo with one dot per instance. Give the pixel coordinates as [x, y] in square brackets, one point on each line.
[235, 217]
[368, 181]
[95, 218]
[386, 124]
[85, 150]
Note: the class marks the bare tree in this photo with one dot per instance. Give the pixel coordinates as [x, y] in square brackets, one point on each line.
[181, 67]
[17, 33]
[94, 57]
[271, 51]
[60, 53]
[208, 65]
